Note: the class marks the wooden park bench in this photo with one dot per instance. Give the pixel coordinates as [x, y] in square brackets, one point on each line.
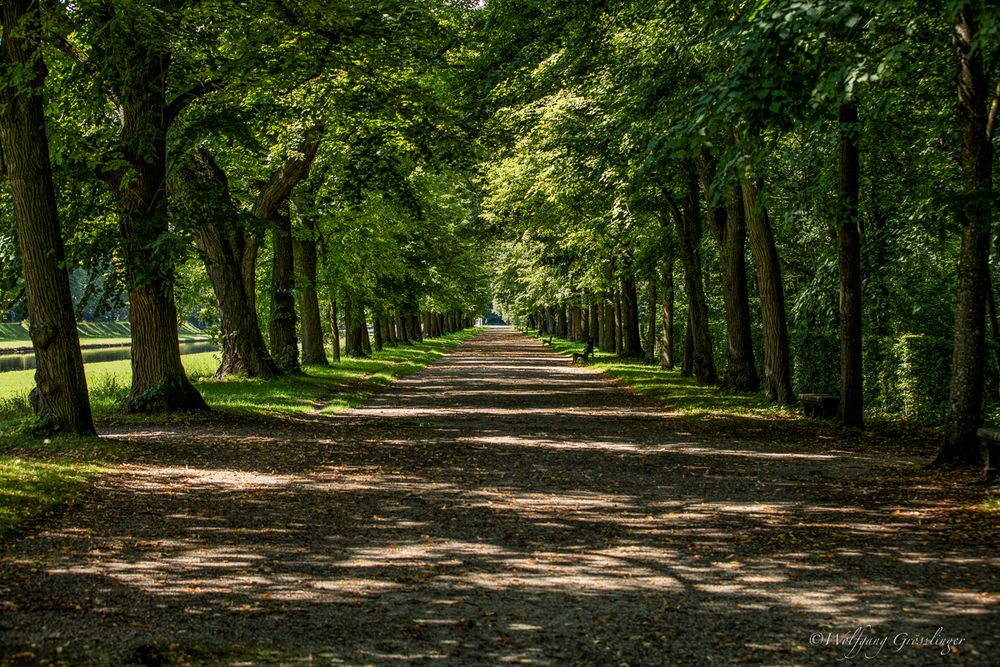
[587, 352]
[991, 438]
[819, 405]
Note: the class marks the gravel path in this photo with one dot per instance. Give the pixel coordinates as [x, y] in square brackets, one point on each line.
[502, 506]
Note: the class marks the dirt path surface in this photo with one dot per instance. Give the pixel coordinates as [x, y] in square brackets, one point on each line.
[499, 507]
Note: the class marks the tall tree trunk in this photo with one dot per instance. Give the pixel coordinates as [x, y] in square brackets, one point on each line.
[417, 333]
[651, 324]
[688, 225]
[849, 252]
[353, 325]
[281, 329]
[401, 335]
[631, 344]
[379, 342]
[334, 329]
[200, 189]
[311, 326]
[366, 339]
[594, 323]
[729, 226]
[159, 381]
[777, 364]
[562, 326]
[619, 325]
[59, 399]
[965, 404]
[667, 306]
[608, 325]
[687, 361]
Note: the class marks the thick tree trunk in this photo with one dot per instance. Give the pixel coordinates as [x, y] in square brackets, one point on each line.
[777, 365]
[354, 324]
[311, 326]
[562, 326]
[607, 325]
[729, 228]
[688, 226]
[687, 361]
[965, 404]
[284, 344]
[401, 330]
[379, 342]
[334, 329]
[60, 398]
[849, 252]
[201, 190]
[667, 345]
[243, 350]
[631, 343]
[159, 381]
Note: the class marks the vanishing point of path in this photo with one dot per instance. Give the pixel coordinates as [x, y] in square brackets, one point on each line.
[499, 507]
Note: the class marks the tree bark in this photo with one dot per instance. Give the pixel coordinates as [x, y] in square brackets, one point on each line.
[200, 188]
[619, 338]
[334, 329]
[59, 399]
[965, 404]
[688, 225]
[849, 253]
[651, 324]
[729, 227]
[401, 330]
[777, 365]
[631, 343]
[562, 325]
[311, 326]
[594, 323]
[687, 361]
[281, 329]
[667, 345]
[159, 381]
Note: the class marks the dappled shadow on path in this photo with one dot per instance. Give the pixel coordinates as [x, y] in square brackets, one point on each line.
[498, 507]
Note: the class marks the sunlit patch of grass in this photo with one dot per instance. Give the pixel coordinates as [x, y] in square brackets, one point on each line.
[991, 505]
[29, 488]
[327, 388]
[677, 392]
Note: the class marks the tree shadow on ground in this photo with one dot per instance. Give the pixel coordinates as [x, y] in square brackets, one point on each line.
[467, 516]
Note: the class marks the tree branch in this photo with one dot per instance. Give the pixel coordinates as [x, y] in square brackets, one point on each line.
[181, 102]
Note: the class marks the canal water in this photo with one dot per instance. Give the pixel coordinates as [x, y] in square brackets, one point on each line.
[24, 362]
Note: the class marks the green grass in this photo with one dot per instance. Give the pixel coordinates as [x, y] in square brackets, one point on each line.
[38, 476]
[677, 392]
[107, 380]
[30, 488]
[327, 388]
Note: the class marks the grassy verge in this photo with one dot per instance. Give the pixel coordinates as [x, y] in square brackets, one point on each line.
[677, 392]
[38, 476]
[740, 413]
